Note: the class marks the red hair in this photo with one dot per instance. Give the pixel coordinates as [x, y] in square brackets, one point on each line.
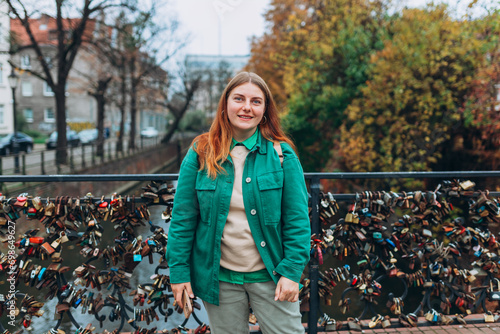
[213, 147]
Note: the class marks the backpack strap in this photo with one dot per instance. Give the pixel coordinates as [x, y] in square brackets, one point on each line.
[277, 147]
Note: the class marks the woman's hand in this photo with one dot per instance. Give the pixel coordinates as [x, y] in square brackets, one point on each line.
[177, 290]
[287, 290]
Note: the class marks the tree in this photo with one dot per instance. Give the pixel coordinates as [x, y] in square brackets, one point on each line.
[268, 52]
[99, 93]
[148, 44]
[96, 75]
[115, 51]
[181, 100]
[481, 139]
[408, 113]
[212, 84]
[328, 51]
[70, 35]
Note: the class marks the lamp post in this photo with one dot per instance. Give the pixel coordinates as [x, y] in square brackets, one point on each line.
[13, 81]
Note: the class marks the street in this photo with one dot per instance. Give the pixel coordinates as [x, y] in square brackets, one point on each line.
[42, 161]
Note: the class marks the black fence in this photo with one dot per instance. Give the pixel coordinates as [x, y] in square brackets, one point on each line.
[359, 234]
[43, 161]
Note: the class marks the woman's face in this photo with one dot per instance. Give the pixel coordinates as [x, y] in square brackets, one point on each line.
[245, 109]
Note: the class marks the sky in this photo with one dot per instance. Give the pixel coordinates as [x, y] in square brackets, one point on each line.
[225, 26]
[234, 21]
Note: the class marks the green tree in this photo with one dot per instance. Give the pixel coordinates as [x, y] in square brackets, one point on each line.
[269, 51]
[329, 51]
[408, 113]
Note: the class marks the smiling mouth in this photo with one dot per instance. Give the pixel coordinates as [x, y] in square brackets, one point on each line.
[245, 117]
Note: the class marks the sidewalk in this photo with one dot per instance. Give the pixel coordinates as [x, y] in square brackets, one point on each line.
[475, 325]
[450, 329]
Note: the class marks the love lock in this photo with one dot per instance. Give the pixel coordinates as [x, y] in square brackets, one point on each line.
[202, 329]
[27, 321]
[376, 320]
[489, 317]
[494, 295]
[387, 322]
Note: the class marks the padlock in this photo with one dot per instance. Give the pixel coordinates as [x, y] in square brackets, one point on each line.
[63, 237]
[494, 294]
[47, 248]
[32, 213]
[387, 322]
[55, 244]
[489, 317]
[375, 321]
[429, 316]
[436, 317]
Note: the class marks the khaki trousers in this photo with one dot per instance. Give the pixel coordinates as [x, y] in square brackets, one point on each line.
[231, 316]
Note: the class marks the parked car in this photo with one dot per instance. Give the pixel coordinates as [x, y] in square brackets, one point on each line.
[24, 141]
[149, 132]
[71, 137]
[88, 136]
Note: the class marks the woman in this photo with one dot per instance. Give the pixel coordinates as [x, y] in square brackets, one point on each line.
[240, 229]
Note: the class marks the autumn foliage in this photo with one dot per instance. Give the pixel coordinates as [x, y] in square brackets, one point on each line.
[365, 87]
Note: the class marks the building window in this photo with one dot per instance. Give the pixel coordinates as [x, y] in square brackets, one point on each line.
[26, 88]
[49, 116]
[47, 91]
[48, 60]
[1, 113]
[114, 36]
[28, 115]
[25, 62]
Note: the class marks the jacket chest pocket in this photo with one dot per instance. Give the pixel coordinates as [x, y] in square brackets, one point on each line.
[270, 190]
[205, 191]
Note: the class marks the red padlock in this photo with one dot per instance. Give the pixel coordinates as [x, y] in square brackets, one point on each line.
[320, 254]
[26, 321]
[492, 241]
[202, 329]
[30, 250]
[36, 240]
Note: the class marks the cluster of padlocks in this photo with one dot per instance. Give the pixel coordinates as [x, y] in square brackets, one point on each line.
[97, 287]
[422, 240]
[427, 241]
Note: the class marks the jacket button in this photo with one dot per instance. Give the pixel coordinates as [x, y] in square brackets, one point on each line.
[248, 180]
[275, 273]
[263, 244]
[253, 212]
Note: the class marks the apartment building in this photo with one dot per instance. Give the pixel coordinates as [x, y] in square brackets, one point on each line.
[35, 99]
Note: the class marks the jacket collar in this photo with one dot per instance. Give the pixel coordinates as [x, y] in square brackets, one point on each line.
[261, 145]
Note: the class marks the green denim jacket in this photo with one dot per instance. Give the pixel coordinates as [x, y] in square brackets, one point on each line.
[275, 199]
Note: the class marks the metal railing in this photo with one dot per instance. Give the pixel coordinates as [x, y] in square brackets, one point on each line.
[79, 157]
[313, 180]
